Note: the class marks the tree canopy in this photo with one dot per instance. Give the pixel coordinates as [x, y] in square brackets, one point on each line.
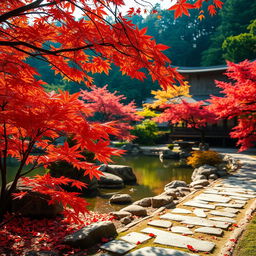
[239, 101]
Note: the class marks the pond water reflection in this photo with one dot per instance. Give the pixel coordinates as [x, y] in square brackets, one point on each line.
[152, 175]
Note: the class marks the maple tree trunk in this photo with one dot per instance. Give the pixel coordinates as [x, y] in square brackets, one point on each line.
[202, 136]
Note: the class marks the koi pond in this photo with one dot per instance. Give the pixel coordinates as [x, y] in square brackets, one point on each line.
[152, 175]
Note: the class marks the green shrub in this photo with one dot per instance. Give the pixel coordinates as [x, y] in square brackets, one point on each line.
[146, 132]
[199, 158]
[170, 146]
[119, 144]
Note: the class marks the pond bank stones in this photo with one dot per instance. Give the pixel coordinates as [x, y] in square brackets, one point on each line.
[91, 234]
[120, 199]
[108, 180]
[175, 184]
[135, 210]
[161, 200]
[122, 171]
[201, 175]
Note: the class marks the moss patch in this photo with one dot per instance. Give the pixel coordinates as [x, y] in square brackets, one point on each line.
[247, 244]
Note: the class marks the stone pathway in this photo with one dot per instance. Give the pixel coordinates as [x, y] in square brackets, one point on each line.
[200, 225]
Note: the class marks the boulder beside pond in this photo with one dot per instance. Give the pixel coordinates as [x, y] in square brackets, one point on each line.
[122, 171]
[199, 183]
[120, 199]
[144, 202]
[121, 214]
[109, 180]
[161, 200]
[91, 234]
[34, 204]
[135, 210]
[175, 184]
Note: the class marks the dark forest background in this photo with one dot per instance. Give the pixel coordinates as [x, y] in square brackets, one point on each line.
[229, 35]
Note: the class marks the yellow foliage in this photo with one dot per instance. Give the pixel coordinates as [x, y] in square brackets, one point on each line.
[199, 158]
[163, 96]
[147, 113]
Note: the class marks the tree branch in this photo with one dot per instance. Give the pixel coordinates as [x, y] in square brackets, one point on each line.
[20, 10]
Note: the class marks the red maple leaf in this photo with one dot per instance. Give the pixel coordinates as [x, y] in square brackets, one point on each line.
[218, 3]
[191, 248]
[211, 9]
[181, 8]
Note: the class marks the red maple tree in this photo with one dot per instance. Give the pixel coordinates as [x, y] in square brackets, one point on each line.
[195, 115]
[75, 48]
[107, 106]
[239, 101]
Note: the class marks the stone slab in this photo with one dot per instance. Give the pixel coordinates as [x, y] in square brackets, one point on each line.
[135, 237]
[207, 223]
[240, 198]
[200, 213]
[182, 230]
[171, 239]
[199, 205]
[237, 194]
[118, 246]
[160, 223]
[232, 210]
[238, 206]
[212, 198]
[194, 220]
[223, 214]
[157, 251]
[212, 191]
[224, 219]
[175, 217]
[210, 231]
[235, 190]
[181, 210]
[240, 202]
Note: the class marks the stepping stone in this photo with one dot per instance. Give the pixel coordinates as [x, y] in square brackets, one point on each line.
[174, 217]
[160, 223]
[200, 213]
[240, 202]
[239, 206]
[194, 220]
[135, 237]
[117, 246]
[210, 231]
[240, 198]
[182, 230]
[232, 210]
[213, 198]
[237, 194]
[199, 205]
[207, 223]
[157, 251]
[224, 219]
[171, 239]
[181, 210]
[212, 191]
[224, 214]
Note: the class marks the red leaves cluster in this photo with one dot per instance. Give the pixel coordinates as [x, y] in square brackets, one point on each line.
[21, 235]
[196, 115]
[61, 40]
[191, 248]
[109, 107]
[183, 7]
[239, 101]
[32, 118]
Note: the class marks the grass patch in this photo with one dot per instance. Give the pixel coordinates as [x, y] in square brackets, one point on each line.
[247, 243]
